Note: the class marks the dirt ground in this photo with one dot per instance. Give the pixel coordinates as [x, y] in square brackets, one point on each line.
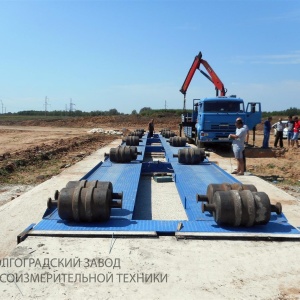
[33, 151]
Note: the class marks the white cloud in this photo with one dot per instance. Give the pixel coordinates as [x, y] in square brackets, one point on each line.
[291, 58]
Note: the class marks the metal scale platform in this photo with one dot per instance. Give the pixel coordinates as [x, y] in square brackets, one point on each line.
[125, 178]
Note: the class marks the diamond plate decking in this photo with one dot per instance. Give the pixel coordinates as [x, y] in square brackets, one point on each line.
[189, 180]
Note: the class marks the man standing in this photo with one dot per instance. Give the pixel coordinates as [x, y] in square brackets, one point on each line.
[246, 141]
[296, 132]
[151, 127]
[238, 145]
[290, 128]
[279, 133]
[267, 129]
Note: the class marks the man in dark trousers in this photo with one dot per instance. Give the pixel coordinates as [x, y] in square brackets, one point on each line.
[267, 129]
[290, 128]
[151, 127]
[279, 133]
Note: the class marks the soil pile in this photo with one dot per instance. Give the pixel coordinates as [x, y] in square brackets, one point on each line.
[45, 157]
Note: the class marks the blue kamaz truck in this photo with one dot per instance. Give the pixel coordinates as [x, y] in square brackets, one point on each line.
[213, 119]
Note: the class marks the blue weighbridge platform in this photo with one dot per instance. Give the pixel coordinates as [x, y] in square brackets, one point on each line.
[189, 179]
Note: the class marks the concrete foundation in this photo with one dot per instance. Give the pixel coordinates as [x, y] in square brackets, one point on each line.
[148, 268]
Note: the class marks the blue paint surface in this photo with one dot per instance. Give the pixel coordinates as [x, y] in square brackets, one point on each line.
[190, 180]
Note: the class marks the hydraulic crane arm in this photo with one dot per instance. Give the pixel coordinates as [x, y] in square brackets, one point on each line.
[212, 76]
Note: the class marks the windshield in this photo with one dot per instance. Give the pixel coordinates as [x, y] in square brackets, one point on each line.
[223, 106]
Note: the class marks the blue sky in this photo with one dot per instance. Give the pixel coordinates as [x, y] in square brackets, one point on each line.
[131, 54]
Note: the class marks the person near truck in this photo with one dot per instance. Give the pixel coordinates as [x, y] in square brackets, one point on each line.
[246, 142]
[151, 127]
[290, 130]
[279, 133]
[296, 132]
[238, 145]
[267, 129]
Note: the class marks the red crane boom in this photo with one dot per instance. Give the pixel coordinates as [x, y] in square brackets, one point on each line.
[212, 76]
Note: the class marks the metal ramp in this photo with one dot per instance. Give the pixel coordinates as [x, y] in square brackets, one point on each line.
[189, 180]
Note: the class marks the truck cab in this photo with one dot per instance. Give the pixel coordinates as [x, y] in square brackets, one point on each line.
[213, 119]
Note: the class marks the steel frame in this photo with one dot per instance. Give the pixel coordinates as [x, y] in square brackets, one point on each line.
[125, 178]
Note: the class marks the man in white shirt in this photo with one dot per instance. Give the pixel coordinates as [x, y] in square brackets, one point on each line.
[279, 133]
[238, 146]
[246, 141]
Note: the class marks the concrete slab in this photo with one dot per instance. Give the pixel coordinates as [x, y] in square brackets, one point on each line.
[30, 207]
[259, 152]
[150, 268]
[156, 268]
[158, 201]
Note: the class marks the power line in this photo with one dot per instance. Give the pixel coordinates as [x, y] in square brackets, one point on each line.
[2, 105]
[46, 105]
[71, 105]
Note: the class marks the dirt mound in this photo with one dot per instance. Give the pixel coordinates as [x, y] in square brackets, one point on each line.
[113, 122]
[14, 165]
[282, 166]
[40, 162]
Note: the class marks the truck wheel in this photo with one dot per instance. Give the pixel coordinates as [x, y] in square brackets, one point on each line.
[201, 145]
[197, 142]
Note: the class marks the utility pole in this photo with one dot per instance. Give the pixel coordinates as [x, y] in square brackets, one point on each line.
[2, 106]
[71, 105]
[46, 105]
[165, 105]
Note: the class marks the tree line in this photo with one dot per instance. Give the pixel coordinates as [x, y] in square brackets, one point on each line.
[75, 113]
[145, 111]
[292, 111]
